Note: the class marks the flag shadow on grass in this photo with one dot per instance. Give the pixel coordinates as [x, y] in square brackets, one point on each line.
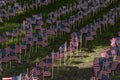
[73, 73]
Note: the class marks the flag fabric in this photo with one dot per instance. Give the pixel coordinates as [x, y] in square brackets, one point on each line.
[63, 49]
[7, 78]
[118, 58]
[48, 62]
[23, 45]
[41, 64]
[46, 72]
[14, 57]
[16, 78]
[114, 65]
[38, 70]
[34, 76]
[6, 59]
[71, 47]
[89, 37]
[42, 42]
[11, 78]
[113, 42]
[96, 61]
[63, 28]
[56, 55]
[24, 76]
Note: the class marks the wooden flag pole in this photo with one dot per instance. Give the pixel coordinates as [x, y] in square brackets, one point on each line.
[10, 64]
[81, 43]
[77, 50]
[60, 57]
[61, 32]
[43, 74]
[85, 42]
[30, 52]
[52, 64]
[64, 58]
[26, 50]
[58, 63]
[100, 30]
[36, 48]
[27, 71]
[66, 52]
[70, 54]
[20, 76]
[77, 45]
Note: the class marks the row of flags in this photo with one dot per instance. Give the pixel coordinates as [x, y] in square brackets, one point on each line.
[62, 25]
[12, 10]
[82, 6]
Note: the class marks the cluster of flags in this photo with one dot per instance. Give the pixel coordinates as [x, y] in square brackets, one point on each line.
[42, 68]
[82, 6]
[10, 52]
[4, 2]
[108, 62]
[62, 25]
[12, 10]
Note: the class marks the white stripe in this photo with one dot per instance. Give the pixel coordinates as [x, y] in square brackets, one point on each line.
[7, 78]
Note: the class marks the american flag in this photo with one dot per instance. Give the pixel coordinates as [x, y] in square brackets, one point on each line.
[96, 61]
[75, 41]
[83, 30]
[89, 37]
[113, 42]
[71, 48]
[3, 52]
[16, 77]
[12, 78]
[117, 42]
[64, 28]
[41, 64]
[103, 75]
[111, 21]
[50, 31]
[48, 62]
[14, 57]
[35, 37]
[37, 26]
[34, 76]
[56, 55]
[38, 70]
[46, 72]
[43, 34]
[63, 50]
[24, 76]
[6, 59]
[114, 65]
[48, 20]
[42, 42]
[29, 41]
